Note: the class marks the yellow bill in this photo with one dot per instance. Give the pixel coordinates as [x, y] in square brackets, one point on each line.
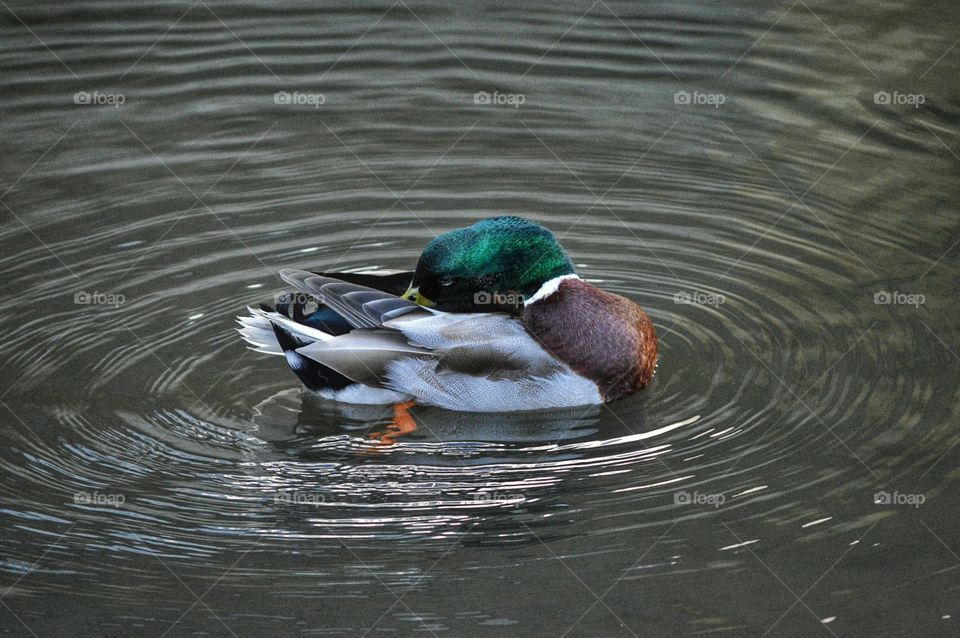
[413, 294]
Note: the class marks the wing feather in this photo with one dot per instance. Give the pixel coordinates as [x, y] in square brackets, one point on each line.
[363, 307]
[363, 355]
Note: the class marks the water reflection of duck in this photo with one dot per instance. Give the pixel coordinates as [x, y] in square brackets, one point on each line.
[501, 323]
[292, 414]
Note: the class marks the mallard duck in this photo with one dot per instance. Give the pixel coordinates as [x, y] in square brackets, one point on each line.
[493, 319]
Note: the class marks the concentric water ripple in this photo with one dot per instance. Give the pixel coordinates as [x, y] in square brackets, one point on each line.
[224, 442]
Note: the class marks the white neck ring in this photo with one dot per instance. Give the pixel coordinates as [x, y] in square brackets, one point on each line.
[548, 288]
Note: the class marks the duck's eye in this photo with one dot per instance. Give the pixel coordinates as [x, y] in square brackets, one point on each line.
[446, 281]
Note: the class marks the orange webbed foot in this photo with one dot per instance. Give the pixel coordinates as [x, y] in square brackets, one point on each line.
[401, 425]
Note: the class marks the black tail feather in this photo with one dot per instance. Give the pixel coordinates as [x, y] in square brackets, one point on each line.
[313, 375]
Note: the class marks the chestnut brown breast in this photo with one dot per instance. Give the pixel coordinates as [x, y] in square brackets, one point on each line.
[601, 336]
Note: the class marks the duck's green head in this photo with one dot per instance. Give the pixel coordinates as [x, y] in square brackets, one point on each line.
[492, 265]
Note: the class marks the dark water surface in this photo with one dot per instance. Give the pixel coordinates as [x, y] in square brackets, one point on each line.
[776, 183]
